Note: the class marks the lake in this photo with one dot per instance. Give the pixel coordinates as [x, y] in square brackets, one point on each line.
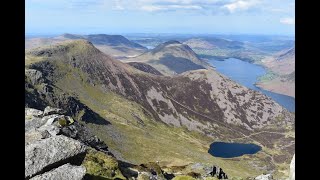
[247, 74]
[230, 150]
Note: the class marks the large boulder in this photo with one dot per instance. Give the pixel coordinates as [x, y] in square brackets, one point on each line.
[64, 172]
[49, 153]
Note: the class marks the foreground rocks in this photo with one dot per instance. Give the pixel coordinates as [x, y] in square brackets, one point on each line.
[58, 147]
[51, 152]
[64, 172]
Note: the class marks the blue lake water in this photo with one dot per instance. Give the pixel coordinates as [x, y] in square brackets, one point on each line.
[247, 74]
[230, 150]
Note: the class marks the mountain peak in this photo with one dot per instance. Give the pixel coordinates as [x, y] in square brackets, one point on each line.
[171, 42]
[74, 46]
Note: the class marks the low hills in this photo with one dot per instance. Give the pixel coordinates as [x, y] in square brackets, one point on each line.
[282, 66]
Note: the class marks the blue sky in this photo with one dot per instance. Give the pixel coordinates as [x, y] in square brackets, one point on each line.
[274, 17]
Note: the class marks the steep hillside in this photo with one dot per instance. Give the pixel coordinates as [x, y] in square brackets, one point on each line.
[145, 68]
[115, 45]
[282, 66]
[145, 117]
[171, 57]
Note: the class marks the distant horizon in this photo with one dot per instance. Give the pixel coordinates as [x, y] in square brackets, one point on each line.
[162, 33]
[267, 17]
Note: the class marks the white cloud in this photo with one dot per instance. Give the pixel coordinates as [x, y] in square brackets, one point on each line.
[287, 20]
[240, 5]
[152, 8]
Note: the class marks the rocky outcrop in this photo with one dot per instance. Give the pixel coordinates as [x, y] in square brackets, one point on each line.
[292, 169]
[84, 135]
[64, 172]
[58, 147]
[52, 140]
[51, 152]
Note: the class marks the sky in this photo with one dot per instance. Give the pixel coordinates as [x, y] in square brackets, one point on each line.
[269, 17]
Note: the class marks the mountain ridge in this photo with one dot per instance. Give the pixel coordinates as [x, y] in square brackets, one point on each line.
[202, 101]
[115, 45]
[171, 57]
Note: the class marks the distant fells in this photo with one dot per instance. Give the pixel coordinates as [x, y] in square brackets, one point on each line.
[171, 57]
[152, 116]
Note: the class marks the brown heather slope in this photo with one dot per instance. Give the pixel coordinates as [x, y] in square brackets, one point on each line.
[171, 58]
[283, 66]
[164, 118]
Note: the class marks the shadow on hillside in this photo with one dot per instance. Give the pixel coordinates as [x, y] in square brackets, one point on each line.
[178, 64]
[94, 118]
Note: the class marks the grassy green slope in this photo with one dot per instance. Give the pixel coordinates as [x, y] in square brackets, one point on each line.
[139, 139]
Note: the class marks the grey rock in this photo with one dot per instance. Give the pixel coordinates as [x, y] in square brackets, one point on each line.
[292, 169]
[50, 110]
[32, 112]
[64, 172]
[40, 155]
[54, 119]
[32, 122]
[264, 177]
[51, 129]
[35, 135]
[34, 76]
[81, 133]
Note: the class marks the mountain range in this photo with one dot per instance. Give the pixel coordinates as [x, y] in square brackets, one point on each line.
[144, 116]
[115, 45]
[171, 57]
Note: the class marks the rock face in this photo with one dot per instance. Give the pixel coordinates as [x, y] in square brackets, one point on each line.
[49, 152]
[82, 134]
[292, 169]
[64, 172]
[52, 140]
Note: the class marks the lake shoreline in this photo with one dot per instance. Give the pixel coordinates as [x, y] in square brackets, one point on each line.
[247, 74]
